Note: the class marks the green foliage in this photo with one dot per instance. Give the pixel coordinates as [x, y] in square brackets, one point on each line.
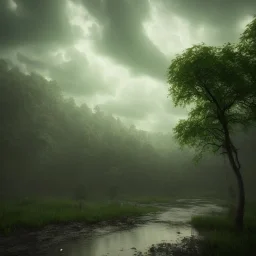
[225, 243]
[248, 40]
[220, 238]
[200, 130]
[217, 82]
[201, 69]
[223, 221]
[247, 46]
[212, 223]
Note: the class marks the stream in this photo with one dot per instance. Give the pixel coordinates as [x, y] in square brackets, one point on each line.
[112, 240]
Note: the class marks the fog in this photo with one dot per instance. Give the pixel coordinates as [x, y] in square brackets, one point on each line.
[104, 119]
[50, 146]
[87, 120]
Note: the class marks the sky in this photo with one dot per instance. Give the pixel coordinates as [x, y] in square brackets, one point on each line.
[115, 53]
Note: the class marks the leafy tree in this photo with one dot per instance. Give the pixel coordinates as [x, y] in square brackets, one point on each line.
[215, 83]
[247, 42]
[247, 46]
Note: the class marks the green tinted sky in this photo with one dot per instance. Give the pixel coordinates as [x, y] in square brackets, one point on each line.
[115, 52]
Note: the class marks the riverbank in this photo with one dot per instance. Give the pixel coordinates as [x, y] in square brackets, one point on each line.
[220, 237]
[116, 236]
[32, 214]
[212, 233]
[217, 237]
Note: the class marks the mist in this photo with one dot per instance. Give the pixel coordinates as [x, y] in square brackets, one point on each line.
[87, 127]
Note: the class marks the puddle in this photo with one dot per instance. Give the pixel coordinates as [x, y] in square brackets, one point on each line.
[125, 242]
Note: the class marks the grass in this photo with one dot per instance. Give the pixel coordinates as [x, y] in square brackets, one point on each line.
[37, 214]
[229, 243]
[220, 237]
[150, 200]
[224, 221]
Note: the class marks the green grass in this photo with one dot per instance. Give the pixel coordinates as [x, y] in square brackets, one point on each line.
[37, 214]
[224, 221]
[222, 243]
[220, 237]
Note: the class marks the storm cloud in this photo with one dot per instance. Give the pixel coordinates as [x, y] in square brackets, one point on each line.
[115, 53]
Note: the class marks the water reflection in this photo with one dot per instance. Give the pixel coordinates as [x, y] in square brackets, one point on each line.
[108, 241]
[123, 242]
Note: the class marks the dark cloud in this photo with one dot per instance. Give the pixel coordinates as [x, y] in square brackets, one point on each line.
[123, 37]
[74, 76]
[34, 22]
[78, 78]
[222, 15]
[36, 33]
[32, 64]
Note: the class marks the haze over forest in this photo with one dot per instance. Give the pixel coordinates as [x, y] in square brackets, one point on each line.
[83, 97]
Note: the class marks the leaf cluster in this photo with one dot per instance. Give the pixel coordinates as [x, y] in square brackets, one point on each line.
[220, 84]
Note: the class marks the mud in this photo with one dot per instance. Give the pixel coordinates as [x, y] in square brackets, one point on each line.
[125, 237]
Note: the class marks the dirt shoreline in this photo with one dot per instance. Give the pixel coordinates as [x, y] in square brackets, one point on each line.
[26, 243]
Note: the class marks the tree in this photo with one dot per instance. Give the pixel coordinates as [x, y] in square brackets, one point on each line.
[247, 46]
[52, 147]
[247, 42]
[214, 82]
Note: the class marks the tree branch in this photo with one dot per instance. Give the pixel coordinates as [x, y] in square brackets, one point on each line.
[212, 144]
[234, 149]
[213, 98]
[217, 135]
[228, 106]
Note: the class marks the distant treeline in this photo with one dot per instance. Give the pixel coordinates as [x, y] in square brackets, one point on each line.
[52, 147]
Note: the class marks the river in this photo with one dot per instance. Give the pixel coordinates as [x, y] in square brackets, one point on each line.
[116, 240]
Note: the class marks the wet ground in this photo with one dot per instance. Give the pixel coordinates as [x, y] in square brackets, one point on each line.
[125, 238]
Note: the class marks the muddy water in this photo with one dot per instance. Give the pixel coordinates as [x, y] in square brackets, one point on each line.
[166, 226]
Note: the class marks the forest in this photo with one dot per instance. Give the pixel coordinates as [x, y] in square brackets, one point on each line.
[52, 147]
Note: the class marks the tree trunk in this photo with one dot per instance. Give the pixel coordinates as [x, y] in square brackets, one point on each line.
[241, 202]
[235, 164]
[239, 218]
[234, 161]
